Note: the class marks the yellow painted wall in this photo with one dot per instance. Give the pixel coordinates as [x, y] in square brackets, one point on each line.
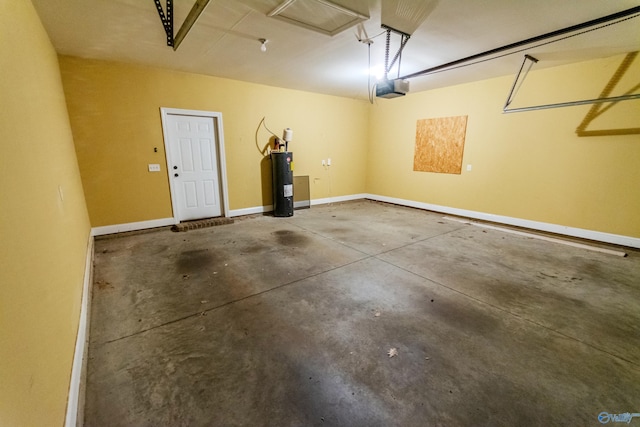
[44, 238]
[528, 165]
[114, 110]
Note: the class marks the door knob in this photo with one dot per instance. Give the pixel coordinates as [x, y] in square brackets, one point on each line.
[175, 174]
[175, 167]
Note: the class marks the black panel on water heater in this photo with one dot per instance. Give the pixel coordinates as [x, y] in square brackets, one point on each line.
[282, 183]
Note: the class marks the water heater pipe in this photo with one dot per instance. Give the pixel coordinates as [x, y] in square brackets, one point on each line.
[287, 135]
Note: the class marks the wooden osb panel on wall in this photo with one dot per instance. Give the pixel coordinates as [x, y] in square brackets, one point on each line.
[440, 144]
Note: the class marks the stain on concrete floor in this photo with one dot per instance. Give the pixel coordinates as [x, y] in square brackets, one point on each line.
[490, 329]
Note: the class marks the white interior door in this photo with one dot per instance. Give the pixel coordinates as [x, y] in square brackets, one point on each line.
[193, 166]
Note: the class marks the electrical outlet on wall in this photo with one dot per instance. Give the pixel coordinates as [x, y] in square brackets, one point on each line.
[323, 162]
[329, 161]
[154, 168]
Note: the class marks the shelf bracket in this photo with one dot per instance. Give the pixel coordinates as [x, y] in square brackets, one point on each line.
[404, 38]
[517, 83]
[167, 20]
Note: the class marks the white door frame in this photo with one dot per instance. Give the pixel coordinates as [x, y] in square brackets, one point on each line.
[222, 160]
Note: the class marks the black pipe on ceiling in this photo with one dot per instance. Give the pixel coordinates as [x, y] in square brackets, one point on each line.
[594, 22]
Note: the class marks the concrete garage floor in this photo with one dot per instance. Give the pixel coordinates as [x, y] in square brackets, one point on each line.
[289, 321]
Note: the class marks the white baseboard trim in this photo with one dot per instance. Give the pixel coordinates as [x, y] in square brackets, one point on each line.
[75, 401]
[132, 226]
[303, 204]
[599, 236]
[269, 208]
[338, 199]
[250, 211]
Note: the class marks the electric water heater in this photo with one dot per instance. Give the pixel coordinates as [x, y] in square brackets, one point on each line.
[282, 171]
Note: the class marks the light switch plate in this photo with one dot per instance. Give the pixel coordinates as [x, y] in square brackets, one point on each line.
[154, 168]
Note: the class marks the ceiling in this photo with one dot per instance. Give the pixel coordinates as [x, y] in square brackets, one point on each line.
[224, 41]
